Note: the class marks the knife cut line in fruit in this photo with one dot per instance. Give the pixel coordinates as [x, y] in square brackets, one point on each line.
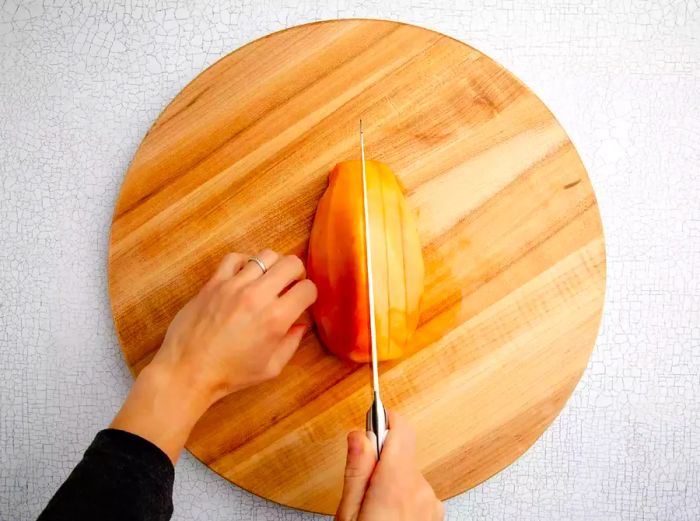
[337, 264]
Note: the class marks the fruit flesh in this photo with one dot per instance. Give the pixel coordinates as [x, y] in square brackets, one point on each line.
[336, 263]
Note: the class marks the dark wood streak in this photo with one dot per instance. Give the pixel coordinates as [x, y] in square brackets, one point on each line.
[162, 124]
[228, 140]
[310, 399]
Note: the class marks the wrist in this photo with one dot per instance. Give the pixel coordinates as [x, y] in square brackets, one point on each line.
[163, 407]
[186, 389]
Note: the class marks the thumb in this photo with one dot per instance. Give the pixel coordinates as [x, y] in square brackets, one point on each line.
[358, 470]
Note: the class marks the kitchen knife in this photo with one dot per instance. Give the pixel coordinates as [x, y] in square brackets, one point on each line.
[377, 422]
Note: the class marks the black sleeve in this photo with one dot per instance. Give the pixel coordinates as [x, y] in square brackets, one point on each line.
[121, 476]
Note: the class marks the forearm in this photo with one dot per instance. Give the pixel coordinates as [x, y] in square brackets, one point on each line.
[162, 407]
[221, 341]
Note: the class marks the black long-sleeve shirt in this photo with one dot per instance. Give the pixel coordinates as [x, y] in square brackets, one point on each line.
[121, 477]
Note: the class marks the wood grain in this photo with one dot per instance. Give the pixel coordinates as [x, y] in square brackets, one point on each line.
[511, 235]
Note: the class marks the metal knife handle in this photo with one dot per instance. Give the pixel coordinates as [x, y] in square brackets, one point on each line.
[377, 424]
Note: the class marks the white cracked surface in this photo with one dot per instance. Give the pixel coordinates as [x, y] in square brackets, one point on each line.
[80, 83]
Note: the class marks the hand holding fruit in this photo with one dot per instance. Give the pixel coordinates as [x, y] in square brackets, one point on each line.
[239, 330]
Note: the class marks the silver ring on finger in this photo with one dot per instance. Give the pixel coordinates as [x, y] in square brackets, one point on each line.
[257, 260]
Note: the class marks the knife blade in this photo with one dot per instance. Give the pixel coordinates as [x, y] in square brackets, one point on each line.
[377, 423]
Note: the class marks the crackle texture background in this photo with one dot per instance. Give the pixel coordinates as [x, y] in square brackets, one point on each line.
[80, 83]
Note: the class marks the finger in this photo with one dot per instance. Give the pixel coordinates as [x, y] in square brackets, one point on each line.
[252, 271]
[359, 466]
[231, 264]
[285, 271]
[400, 445]
[292, 304]
[439, 511]
[286, 348]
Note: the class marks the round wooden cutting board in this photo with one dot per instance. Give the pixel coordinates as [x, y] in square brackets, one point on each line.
[509, 225]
